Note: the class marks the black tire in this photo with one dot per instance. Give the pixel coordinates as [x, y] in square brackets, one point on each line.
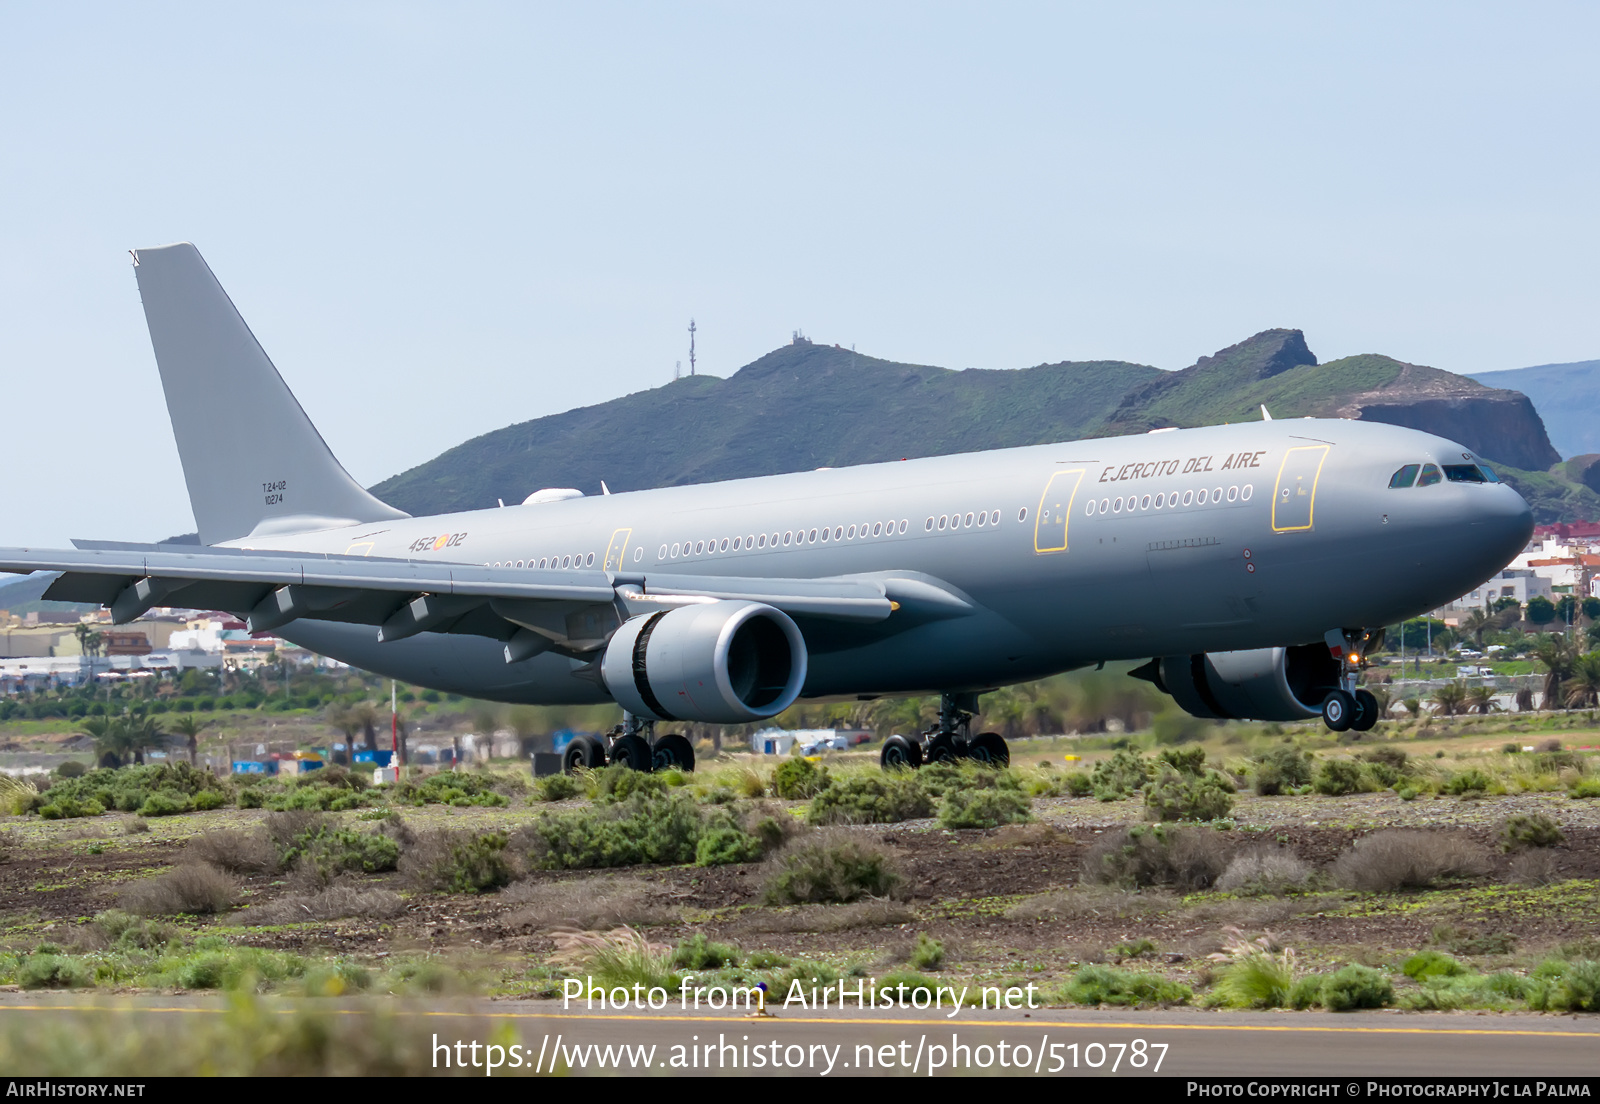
[1366, 711]
[1338, 710]
[582, 753]
[989, 748]
[672, 751]
[900, 753]
[631, 750]
[942, 748]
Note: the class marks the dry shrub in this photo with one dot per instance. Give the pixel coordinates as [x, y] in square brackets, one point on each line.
[459, 862]
[234, 851]
[588, 903]
[132, 825]
[837, 866]
[1534, 867]
[333, 903]
[1037, 834]
[1188, 858]
[1265, 870]
[1408, 857]
[831, 918]
[1103, 902]
[192, 888]
[287, 827]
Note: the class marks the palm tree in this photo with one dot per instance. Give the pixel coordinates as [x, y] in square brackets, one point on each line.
[189, 726]
[1450, 698]
[1413, 706]
[1480, 699]
[98, 729]
[1558, 654]
[1475, 624]
[1583, 686]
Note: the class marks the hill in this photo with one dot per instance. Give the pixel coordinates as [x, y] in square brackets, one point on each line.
[806, 405]
[1567, 397]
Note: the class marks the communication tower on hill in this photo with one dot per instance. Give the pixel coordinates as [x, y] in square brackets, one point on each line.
[691, 346]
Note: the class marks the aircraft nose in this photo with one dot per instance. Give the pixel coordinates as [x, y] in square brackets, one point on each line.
[1500, 525]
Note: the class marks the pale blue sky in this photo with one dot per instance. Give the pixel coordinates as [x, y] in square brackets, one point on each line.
[442, 219]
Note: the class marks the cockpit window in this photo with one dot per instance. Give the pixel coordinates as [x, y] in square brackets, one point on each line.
[1488, 473]
[1430, 476]
[1463, 473]
[1405, 476]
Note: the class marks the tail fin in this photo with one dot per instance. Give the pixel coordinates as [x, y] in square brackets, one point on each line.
[253, 461]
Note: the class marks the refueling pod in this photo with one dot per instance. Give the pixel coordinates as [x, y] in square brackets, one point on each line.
[723, 662]
[1263, 684]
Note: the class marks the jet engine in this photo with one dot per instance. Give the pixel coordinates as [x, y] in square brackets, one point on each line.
[1264, 684]
[717, 662]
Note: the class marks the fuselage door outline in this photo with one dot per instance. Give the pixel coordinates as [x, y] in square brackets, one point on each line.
[1294, 495]
[616, 550]
[1055, 511]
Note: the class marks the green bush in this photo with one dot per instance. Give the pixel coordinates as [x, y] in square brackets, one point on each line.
[871, 799]
[726, 844]
[1191, 760]
[1523, 830]
[71, 769]
[53, 971]
[1256, 981]
[618, 782]
[900, 987]
[1336, 777]
[1079, 783]
[1356, 987]
[1189, 797]
[984, 808]
[458, 788]
[699, 953]
[206, 800]
[251, 798]
[164, 804]
[556, 787]
[797, 779]
[1585, 787]
[1283, 767]
[928, 954]
[1120, 775]
[327, 850]
[1470, 781]
[646, 828]
[828, 868]
[1562, 986]
[1095, 985]
[129, 788]
[1432, 964]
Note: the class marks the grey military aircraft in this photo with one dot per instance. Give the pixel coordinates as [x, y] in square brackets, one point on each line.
[1252, 565]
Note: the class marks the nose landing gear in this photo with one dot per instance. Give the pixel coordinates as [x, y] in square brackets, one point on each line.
[1349, 707]
[949, 740]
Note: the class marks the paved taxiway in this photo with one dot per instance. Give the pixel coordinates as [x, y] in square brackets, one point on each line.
[1350, 1046]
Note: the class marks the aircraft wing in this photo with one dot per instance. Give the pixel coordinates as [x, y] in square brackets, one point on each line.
[571, 612]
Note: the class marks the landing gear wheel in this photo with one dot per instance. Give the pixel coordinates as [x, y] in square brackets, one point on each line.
[632, 750]
[672, 751]
[900, 753]
[989, 748]
[940, 749]
[1338, 710]
[1366, 711]
[584, 751]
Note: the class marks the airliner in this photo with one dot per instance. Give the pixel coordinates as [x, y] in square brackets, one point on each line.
[1249, 566]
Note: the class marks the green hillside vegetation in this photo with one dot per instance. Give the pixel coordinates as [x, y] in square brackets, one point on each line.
[807, 405]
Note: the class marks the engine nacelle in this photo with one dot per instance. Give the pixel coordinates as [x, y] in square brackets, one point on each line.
[716, 662]
[1264, 684]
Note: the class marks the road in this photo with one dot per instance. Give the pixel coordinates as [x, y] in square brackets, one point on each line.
[1181, 1042]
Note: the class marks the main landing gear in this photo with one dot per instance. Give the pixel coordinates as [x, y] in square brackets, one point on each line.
[949, 740]
[1347, 707]
[634, 743]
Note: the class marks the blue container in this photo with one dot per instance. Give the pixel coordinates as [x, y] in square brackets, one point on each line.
[249, 767]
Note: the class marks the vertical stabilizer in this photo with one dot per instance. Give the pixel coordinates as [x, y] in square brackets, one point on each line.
[253, 461]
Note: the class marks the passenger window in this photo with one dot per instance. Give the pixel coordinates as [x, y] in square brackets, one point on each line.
[1405, 477]
[1463, 473]
[1430, 476]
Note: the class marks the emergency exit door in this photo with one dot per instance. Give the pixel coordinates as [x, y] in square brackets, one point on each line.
[1055, 511]
[616, 550]
[1294, 503]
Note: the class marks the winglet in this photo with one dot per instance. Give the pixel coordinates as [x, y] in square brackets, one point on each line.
[1266, 415]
